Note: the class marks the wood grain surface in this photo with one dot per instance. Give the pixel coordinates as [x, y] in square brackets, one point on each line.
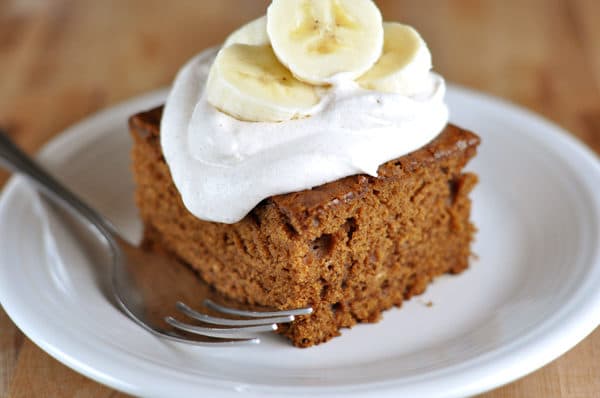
[61, 60]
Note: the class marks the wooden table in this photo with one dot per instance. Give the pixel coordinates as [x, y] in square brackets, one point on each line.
[61, 60]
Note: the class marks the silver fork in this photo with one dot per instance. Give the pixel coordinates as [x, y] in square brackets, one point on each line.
[135, 271]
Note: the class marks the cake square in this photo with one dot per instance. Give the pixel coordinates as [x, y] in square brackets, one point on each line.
[350, 249]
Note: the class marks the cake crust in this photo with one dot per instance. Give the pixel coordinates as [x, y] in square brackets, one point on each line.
[350, 248]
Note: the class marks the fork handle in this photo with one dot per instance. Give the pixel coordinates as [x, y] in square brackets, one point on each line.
[15, 160]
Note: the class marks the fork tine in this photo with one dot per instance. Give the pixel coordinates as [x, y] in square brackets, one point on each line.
[255, 314]
[220, 332]
[234, 342]
[185, 309]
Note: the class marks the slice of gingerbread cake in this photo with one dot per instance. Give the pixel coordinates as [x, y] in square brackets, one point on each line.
[350, 248]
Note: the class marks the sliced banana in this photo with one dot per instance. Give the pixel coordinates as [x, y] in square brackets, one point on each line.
[318, 39]
[254, 33]
[249, 83]
[404, 64]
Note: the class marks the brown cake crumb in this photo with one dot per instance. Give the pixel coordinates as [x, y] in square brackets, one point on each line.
[350, 248]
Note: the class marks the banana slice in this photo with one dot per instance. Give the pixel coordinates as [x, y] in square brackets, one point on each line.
[318, 39]
[404, 65]
[254, 33]
[249, 83]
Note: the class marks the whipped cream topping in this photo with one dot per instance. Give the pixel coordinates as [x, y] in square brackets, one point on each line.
[223, 166]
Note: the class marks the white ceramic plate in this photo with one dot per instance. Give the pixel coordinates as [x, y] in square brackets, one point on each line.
[531, 296]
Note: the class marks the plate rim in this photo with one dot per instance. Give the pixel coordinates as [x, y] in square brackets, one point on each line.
[582, 320]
